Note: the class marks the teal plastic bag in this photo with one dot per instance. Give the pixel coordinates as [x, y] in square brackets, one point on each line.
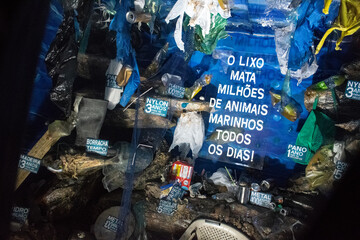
[318, 130]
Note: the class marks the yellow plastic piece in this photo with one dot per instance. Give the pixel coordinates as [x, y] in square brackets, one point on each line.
[199, 87]
[275, 98]
[290, 112]
[196, 91]
[223, 4]
[348, 21]
[327, 4]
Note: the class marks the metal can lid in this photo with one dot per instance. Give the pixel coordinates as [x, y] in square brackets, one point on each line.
[265, 185]
[272, 205]
[243, 184]
[255, 187]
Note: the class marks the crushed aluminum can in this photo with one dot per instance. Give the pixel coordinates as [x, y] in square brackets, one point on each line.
[285, 211]
[243, 195]
[135, 17]
[267, 184]
[255, 187]
[272, 206]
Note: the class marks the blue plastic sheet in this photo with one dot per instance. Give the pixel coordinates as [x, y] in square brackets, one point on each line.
[41, 108]
[125, 52]
[43, 82]
[133, 83]
[309, 18]
[122, 27]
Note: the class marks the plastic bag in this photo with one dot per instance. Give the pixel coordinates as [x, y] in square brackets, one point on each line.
[61, 63]
[221, 178]
[319, 172]
[122, 28]
[348, 21]
[189, 134]
[283, 45]
[318, 130]
[294, 42]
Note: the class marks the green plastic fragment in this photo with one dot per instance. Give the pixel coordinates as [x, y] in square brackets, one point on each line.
[208, 43]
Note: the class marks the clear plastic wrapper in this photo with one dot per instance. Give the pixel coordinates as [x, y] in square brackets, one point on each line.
[157, 62]
[283, 41]
[114, 171]
[269, 224]
[221, 178]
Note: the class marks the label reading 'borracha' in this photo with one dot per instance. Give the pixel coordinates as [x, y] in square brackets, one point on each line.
[97, 146]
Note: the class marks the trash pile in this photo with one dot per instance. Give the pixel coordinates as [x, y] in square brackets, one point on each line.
[154, 114]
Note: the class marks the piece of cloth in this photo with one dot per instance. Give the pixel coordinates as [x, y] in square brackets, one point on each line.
[317, 130]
